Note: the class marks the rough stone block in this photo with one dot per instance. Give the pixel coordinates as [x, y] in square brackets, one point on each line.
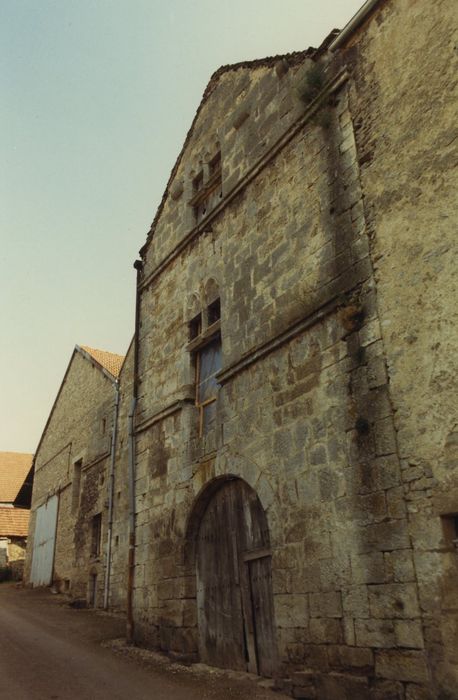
[387, 536]
[291, 610]
[375, 633]
[417, 692]
[326, 604]
[401, 665]
[345, 658]
[325, 630]
[385, 437]
[339, 686]
[355, 601]
[387, 690]
[399, 566]
[368, 568]
[409, 634]
[398, 600]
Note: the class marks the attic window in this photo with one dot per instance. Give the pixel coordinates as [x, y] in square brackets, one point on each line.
[198, 182]
[207, 188]
[214, 166]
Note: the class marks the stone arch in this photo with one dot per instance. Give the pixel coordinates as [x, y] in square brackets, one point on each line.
[228, 548]
[211, 291]
[193, 306]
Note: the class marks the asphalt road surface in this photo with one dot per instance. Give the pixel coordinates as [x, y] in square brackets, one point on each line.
[49, 651]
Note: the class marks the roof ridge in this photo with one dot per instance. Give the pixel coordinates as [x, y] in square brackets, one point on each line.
[110, 362]
[109, 352]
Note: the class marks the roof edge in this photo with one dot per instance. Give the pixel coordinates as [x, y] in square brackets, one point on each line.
[354, 23]
[96, 363]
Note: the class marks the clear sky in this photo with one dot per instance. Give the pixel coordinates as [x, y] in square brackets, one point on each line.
[96, 99]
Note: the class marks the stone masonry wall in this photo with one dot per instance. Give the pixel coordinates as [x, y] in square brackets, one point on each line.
[305, 411]
[403, 102]
[75, 432]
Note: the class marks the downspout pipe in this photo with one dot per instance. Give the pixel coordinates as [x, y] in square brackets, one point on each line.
[138, 265]
[353, 24]
[111, 479]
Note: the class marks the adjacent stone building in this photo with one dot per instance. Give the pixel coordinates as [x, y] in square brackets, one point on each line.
[285, 486]
[70, 518]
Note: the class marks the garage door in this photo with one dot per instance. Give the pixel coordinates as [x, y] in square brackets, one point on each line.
[43, 543]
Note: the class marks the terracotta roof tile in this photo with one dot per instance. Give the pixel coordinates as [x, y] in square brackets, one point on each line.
[14, 522]
[14, 467]
[109, 360]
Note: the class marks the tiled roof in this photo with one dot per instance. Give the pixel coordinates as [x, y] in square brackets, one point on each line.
[14, 522]
[14, 467]
[109, 360]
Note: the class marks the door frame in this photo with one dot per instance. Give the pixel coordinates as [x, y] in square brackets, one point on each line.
[197, 513]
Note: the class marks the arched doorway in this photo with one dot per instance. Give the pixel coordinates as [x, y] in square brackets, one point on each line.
[234, 582]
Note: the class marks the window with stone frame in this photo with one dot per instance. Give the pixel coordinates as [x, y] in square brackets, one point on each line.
[76, 485]
[208, 364]
[205, 345]
[96, 535]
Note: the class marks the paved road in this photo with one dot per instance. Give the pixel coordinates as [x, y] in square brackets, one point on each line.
[49, 651]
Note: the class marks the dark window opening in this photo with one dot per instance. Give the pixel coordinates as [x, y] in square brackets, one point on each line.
[450, 529]
[215, 164]
[96, 541]
[195, 327]
[76, 485]
[104, 425]
[93, 590]
[214, 312]
[198, 182]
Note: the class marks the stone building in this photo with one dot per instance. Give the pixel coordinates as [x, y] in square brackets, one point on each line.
[296, 486]
[72, 499]
[285, 491]
[15, 469]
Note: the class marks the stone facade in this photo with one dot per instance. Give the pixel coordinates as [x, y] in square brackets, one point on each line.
[331, 244]
[302, 255]
[72, 462]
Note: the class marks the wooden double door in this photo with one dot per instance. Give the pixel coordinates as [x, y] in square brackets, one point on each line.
[234, 582]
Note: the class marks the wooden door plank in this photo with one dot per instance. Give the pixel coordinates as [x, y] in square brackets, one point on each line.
[263, 614]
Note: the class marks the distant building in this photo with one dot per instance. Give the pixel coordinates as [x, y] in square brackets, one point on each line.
[15, 489]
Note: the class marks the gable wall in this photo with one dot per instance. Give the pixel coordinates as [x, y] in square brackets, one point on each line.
[74, 432]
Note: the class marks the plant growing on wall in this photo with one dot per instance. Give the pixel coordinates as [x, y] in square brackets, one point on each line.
[308, 87]
[311, 83]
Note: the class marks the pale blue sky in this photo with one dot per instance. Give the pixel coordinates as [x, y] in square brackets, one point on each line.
[96, 99]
